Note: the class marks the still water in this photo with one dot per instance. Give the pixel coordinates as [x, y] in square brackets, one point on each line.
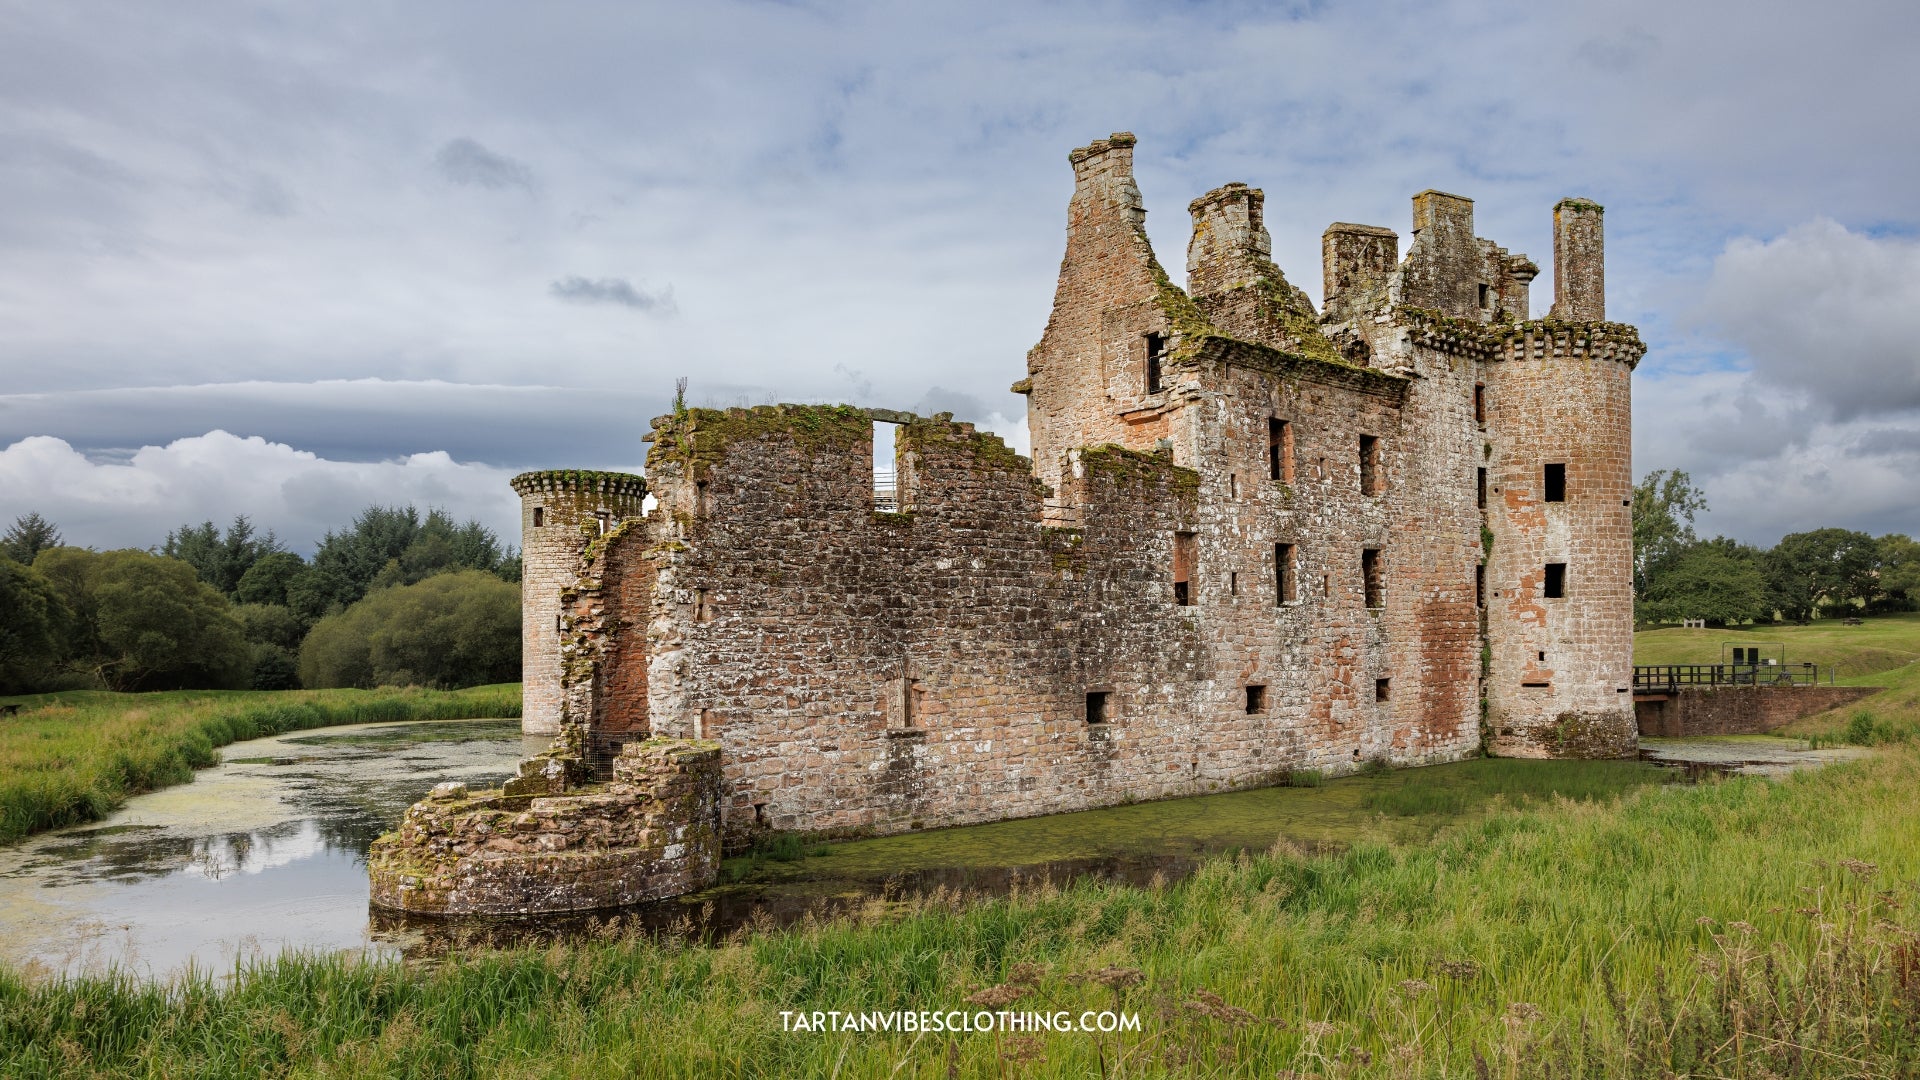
[267, 851]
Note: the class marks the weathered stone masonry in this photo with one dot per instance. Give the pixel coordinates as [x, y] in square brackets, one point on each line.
[1252, 538]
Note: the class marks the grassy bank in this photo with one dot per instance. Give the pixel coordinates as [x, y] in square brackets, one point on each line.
[1879, 643]
[1746, 928]
[68, 758]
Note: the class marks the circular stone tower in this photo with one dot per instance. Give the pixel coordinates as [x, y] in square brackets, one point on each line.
[561, 511]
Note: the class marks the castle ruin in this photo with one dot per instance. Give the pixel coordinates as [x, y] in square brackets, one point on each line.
[1251, 539]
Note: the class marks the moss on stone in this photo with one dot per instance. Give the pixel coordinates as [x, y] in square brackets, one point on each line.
[1134, 467]
[699, 439]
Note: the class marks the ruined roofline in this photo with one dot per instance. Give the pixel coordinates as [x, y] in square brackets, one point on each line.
[611, 483]
[1255, 356]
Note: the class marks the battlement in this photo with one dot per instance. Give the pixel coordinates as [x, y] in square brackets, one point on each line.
[625, 485]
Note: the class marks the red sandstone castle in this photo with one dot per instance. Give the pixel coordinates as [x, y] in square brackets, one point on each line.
[1251, 539]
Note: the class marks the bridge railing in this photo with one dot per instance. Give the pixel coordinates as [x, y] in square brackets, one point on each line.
[1670, 678]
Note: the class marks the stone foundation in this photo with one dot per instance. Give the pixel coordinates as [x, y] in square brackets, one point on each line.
[651, 833]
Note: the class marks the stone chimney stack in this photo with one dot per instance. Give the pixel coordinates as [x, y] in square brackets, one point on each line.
[1230, 246]
[1103, 181]
[1356, 261]
[1579, 262]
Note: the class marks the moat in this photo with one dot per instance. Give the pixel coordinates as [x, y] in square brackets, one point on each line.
[267, 851]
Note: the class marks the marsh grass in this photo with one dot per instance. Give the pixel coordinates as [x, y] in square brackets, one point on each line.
[1519, 782]
[66, 759]
[1741, 928]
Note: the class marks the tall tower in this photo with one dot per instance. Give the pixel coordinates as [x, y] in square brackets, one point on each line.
[561, 512]
[1559, 492]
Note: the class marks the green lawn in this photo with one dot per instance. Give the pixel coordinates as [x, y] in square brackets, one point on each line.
[73, 757]
[1879, 643]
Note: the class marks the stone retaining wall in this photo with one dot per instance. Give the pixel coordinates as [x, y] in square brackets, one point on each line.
[652, 833]
[1740, 710]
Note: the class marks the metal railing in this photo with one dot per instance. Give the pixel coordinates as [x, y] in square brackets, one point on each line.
[886, 492]
[1670, 678]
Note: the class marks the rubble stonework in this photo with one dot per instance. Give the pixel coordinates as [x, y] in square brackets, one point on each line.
[651, 833]
[1252, 538]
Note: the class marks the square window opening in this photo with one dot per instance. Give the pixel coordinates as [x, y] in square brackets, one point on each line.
[1556, 585]
[1256, 699]
[1099, 706]
[1555, 483]
[1381, 688]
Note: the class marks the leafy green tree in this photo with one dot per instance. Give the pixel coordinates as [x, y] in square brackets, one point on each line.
[146, 622]
[270, 624]
[1824, 567]
[1900, 568]
[1664, 503]
[390, 545]
[29, 535]
[1712, 581]
[265, 582]
[449, 630]
[221, 561]
[33, 632]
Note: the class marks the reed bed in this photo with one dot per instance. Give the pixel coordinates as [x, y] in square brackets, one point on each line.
[1740, 928]
[71, 758]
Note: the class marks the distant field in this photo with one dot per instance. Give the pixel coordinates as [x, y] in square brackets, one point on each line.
[1880, 643]
[73, 757]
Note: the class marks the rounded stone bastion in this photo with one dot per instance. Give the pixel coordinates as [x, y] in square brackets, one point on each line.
[652, 832]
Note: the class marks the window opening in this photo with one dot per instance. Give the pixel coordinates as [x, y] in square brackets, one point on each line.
[1156, 355]
[1233, 583]
[1381, 687]
[539, 517]
[886, 472]
[1233, 486]
[1097, 702]
[600, 518]
[1284, 588]
[1556, 483]
[1480, 487]
[1280, 450]
[1556, 580]
[1480, 404]
[1256, 699]
[1184, 545]
[1370, 576]
[1369, 465]
[1480, 585]
[1486, 294]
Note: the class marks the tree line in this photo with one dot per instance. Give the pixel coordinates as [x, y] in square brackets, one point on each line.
[396, 598]
[1827, 571]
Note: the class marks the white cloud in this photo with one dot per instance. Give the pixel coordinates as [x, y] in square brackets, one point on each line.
[213, 477]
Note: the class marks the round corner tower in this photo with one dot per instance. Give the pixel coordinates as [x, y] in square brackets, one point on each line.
[1558, 487]
[561, 511]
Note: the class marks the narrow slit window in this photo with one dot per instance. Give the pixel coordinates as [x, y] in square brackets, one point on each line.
[539, 517]
[1156, 356]
[1555, 483]
[1256, 699]
[1098, 703]
[1280, 450]
[1285, 591]
[1480, 487]
[1556, 586]
[1486, 294]
[1369, 465]
[601, 518]
[1184, 557]
[1480, 404]
[700, 504]
[886, 471]
[1233, 486]
[1233, 583]
[1370, 577]
[1480, 585]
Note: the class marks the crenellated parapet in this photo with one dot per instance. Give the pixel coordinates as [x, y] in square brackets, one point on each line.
[1535, 339]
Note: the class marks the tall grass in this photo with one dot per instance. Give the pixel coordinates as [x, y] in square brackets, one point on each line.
[72, 758]
[1519, 782]
[1742, 928]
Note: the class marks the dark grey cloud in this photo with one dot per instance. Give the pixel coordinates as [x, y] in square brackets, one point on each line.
[464, 161]
[580, 290]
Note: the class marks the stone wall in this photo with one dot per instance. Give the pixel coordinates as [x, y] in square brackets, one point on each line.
[1739, 710]
[652, 833]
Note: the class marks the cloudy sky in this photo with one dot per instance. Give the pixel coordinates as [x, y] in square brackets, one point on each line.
[291, 259]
